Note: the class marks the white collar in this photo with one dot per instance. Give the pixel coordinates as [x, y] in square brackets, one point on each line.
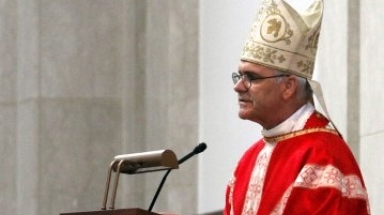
[294, 123]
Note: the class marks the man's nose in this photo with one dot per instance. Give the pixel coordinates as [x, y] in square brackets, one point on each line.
[240, 86]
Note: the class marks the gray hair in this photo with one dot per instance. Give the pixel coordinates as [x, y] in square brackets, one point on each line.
[304, 91]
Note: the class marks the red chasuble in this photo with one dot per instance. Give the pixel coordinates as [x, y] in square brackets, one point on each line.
[310, 172]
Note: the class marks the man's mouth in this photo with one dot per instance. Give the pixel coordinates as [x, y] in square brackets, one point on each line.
[242, 99]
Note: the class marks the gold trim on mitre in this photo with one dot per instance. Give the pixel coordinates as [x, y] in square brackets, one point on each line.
[282, 38]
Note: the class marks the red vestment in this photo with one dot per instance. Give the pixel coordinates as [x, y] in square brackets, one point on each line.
[312, 172]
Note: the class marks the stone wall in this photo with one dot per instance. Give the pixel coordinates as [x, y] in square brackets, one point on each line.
[83, 81]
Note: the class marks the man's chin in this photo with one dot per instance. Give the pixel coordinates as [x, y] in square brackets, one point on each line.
[243, 115]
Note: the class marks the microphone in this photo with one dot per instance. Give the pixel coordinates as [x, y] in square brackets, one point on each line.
[198, 149]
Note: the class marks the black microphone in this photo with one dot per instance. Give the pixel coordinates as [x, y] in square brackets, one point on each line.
[198, 149]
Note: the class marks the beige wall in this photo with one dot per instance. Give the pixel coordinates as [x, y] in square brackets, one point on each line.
[372, 101]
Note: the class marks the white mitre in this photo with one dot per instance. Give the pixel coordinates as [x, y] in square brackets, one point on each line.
[286, 40]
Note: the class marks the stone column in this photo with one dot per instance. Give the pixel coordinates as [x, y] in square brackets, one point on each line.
[88, 80]
[8, 108]
[171, 96]
[69, 116]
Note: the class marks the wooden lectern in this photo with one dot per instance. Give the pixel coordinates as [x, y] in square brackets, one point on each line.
[131, 211]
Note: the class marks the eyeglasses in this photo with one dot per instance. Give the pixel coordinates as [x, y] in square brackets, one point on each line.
[248, 78]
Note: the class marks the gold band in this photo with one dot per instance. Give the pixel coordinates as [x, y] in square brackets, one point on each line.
[282, 137]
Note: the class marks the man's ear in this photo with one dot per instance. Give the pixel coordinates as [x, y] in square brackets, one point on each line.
[289, 87]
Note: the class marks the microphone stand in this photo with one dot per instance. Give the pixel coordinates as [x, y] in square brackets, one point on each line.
[198, 149]
[158, 190]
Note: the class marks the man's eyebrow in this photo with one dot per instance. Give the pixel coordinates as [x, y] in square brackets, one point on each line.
[252, 73]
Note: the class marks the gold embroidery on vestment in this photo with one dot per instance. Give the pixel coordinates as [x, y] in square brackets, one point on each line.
[282, 137]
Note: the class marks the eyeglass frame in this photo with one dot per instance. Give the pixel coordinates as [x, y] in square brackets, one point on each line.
[236, 77]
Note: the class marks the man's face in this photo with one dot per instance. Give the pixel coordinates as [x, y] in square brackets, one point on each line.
[262, 100]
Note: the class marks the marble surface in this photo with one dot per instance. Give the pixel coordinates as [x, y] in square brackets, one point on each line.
[83, 81]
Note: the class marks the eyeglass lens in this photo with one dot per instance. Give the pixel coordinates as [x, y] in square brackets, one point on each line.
[237, 77]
